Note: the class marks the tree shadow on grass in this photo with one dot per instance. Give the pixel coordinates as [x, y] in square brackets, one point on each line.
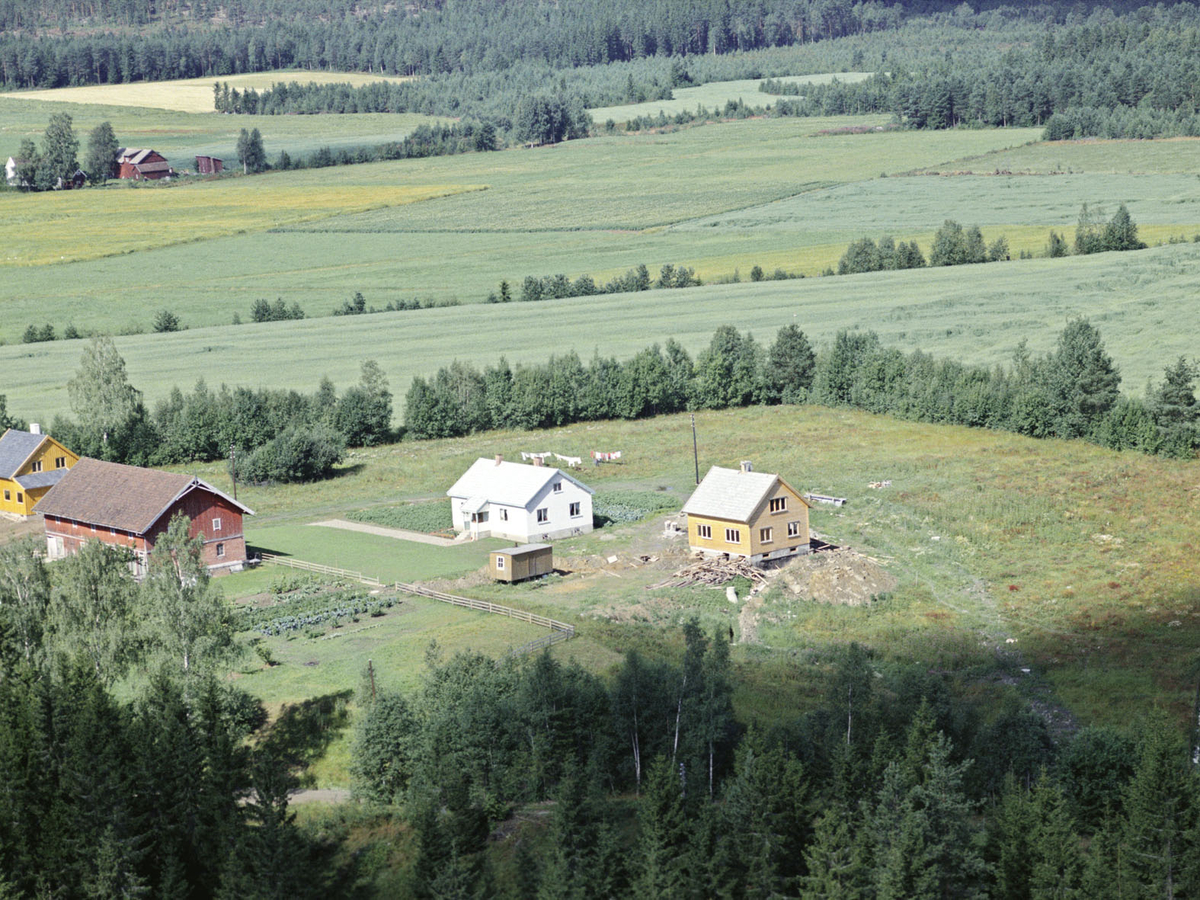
[303, 731]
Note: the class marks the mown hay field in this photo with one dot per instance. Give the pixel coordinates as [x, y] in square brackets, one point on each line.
[190, 95]
[180, 136]
[977, 314]
[714, 95]
[41, 229]
[1073, 561]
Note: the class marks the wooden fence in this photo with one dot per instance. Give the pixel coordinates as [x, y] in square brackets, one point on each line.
[319, 568]
[559, 631]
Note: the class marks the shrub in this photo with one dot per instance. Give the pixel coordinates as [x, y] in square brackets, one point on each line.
[296, 454]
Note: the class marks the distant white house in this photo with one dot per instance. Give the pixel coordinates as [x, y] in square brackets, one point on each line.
[11, 176]
[509, 500]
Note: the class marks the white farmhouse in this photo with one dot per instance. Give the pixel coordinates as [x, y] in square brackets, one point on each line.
[12, 174]
[501, 499]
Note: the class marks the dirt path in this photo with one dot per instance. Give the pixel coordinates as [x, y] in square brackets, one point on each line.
[400, 534]
[319, 795]
[748, 619]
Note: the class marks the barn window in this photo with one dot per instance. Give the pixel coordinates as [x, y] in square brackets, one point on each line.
[764, 535]
[499, 562]
[778, 504]
[793, 529]
[36, 467]
[217, 523]
[575, 509]
[733, 535]
[558, 487]
[543, 515]
[220, 550]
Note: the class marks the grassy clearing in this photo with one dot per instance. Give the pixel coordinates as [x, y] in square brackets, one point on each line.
[39, 229]
[714, 95]
[190, 95]
[180, 136]
[427, 517]
[1093, 156]
[973, 313]
[1084, 557]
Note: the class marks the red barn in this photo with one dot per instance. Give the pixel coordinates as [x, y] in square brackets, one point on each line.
[209, 165]
[128, 506]
[142, 164]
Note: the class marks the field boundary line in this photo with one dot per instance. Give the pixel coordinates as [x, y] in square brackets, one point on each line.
[559, 631]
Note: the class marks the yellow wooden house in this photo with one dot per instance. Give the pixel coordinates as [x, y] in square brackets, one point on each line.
[740, 512]
[30, 464]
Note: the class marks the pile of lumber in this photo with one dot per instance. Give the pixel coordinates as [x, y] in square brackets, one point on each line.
[713, 572]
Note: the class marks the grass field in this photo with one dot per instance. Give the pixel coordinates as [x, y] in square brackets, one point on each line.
[1094, 156]
[190, 95]
[180, 136]
[1083, 557]
[713, 96]
[976, 314]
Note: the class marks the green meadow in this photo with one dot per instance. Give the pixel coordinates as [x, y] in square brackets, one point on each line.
[180, 136]
[714, 95]
[976, 314]
[1072, 561]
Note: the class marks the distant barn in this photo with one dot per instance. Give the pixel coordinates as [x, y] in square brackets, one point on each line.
[142, 165]
[209, 165]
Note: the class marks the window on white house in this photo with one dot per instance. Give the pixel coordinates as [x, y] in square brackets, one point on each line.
[575, 509]
[778, 504]
[764, 535]
[704, 531]
[499, 562]
[733, 535]
[558, 487]
[217, 524]
[503, 515]
[543, 515]
[793, 529]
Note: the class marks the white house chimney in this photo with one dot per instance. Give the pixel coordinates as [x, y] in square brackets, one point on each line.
[499, 459]
[747, 466]
[537, 460]
[35, 428]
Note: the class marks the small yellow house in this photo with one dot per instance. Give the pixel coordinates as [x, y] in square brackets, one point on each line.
[740, 512]
[30, 464]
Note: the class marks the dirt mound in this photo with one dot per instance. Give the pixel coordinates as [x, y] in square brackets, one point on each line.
[837, 576]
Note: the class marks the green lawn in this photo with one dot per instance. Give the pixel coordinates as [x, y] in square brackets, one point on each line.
[714, 95]
[973, 313]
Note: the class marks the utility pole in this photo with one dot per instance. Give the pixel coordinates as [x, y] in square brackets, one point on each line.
[233, 469]
[695, 451]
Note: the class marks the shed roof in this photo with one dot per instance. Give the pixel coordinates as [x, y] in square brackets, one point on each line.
[507, 483]
[16, 447]
[35, 480]
[523, 549]
[163, 166]
[117, 496]
[730, 494]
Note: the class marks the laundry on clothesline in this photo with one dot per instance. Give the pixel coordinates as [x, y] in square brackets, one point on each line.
[600, 457]
[571, 462]
[528, 456]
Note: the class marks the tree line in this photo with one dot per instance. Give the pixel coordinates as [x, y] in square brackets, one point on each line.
[155, 790]
[54, 164]
[891, 785]
[1070, 392]
[278, 435]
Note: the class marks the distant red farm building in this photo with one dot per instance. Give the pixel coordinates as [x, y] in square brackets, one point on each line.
[129, 507]
[209, 165]
[142, 165]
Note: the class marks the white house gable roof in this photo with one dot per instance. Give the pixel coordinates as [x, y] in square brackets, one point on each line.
[507, 483]
[730, 494]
